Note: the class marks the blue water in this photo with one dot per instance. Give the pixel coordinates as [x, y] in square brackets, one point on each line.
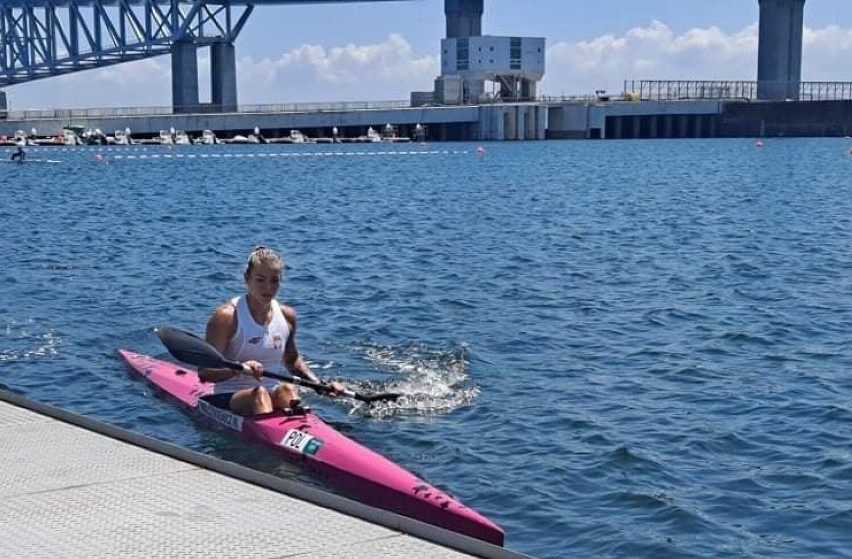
[612, 349]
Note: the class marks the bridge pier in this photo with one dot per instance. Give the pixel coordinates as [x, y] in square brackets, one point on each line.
[223, 77]
[779, 55]
[184, 77]
[464, 18]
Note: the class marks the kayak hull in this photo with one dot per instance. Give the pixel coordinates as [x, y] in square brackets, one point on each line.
[323, 451]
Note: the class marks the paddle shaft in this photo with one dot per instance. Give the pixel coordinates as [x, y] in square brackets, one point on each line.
[191, 349]
[292, 379]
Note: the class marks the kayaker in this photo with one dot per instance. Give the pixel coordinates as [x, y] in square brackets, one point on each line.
[257, 330]
[19, 155]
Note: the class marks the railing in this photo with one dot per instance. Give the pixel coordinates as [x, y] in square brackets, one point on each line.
[565, 98]
[118, 112]
[668, 90]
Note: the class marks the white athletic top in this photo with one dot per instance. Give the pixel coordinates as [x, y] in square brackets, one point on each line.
[257, 342]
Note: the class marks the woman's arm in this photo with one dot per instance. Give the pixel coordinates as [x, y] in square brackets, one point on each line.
[293, 360]
[221, 327]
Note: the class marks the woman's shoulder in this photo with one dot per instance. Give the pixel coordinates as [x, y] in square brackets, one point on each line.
[227, 308]
[288, 311]
[225, 314]
[222, 325]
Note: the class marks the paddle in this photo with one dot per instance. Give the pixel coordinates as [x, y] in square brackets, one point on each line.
[191, 349]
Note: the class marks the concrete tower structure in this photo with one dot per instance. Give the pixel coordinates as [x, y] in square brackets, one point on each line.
[779, 55]
[464, 18]
[464, 21]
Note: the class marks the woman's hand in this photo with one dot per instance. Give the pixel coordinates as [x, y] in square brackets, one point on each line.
[253, 368]
[335, 388]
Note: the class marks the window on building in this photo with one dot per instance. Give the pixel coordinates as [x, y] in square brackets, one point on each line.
[514, 53]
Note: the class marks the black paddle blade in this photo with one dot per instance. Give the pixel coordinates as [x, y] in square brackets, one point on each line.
[191, 349]
[370, 398]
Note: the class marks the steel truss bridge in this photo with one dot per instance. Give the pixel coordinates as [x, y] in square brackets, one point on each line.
[43, 38]
[51, 38]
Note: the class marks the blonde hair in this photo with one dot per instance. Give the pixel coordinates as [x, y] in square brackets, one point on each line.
[260, 255]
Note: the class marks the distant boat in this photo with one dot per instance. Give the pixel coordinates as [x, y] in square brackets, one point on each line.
[121, 138]
[388, 135]
[373, 136]
[297, 137]
[207, 138]
[28, 161]
[181, 138]
[240, 139]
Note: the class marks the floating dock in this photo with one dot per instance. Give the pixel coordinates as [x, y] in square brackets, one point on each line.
[75, 487]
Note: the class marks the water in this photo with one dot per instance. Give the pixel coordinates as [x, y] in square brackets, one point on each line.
[613, 349]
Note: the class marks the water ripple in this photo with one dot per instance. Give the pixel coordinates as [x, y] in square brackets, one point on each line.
[626, 349]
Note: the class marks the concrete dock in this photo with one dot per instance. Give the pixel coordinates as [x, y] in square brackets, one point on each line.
[504, 121]
[75, 487]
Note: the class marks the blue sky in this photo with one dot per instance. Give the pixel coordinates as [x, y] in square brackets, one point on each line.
[384, 50]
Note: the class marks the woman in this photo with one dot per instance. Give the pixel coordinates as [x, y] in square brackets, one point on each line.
[258, 331]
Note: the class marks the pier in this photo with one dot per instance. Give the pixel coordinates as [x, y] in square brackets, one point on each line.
[504, 121]
[697, 110]
[75, 487]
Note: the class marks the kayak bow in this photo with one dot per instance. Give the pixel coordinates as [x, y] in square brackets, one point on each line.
[305, 438]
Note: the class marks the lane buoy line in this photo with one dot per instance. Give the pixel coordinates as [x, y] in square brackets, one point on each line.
[283, 155]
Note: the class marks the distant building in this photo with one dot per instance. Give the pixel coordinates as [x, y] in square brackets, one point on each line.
[514, 65]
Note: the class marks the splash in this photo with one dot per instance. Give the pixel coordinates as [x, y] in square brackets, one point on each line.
[24, 342]
[431, 381]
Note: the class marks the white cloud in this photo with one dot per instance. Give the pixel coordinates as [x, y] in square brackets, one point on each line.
[387, 70]
[391, 69]
[656, 52]
[827, 54]
[651, 52]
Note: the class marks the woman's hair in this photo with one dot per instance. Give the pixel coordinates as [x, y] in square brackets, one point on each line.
[260, 255]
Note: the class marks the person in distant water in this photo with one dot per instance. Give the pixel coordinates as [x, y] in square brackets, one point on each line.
[258, 331]
[19, 155]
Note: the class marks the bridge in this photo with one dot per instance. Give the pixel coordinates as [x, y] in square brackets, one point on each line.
[44, 38]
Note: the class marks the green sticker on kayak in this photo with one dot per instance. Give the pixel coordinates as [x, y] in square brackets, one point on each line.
[313, 446]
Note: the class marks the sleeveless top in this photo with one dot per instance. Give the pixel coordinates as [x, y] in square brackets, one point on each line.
[258, 342]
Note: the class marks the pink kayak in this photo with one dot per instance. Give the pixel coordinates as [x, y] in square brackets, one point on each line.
[306, 439]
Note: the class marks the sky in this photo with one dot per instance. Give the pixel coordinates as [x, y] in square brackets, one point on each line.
[372, 51]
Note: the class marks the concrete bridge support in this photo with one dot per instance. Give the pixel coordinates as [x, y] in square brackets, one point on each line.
[184, 78]
[464, 18]
[223, 77]
[779, 56]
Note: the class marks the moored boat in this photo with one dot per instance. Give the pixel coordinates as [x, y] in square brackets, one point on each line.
[303, 437]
